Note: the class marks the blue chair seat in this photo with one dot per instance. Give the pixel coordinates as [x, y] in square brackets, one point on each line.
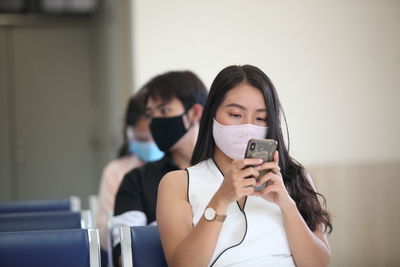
[61, 248]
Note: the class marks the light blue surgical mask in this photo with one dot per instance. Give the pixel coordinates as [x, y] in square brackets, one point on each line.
[145, 150]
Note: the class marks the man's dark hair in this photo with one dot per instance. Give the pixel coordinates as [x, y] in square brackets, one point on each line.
[184, 85]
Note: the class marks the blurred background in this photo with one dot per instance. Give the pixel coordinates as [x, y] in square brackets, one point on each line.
[67, 69]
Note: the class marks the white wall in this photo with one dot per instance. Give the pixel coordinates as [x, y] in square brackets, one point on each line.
[336, 65]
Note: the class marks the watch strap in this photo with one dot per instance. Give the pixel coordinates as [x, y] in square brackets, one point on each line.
[219, 218]
[213, 216]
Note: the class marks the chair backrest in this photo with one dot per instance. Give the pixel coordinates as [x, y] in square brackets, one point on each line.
[76, 247]
[109, 240]
[72, 203]
[141, 247]
[57, 220]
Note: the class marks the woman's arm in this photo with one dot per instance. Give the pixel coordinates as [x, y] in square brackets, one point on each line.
[308, 248]
[183, 244]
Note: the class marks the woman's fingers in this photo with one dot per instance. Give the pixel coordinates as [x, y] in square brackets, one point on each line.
[269, 177]
[244, 187]
[269, 166]
[276, 157]
[266, 165]
[248, 172]
[243, 163]
[249, 182]
[271, 188]
[272, 165]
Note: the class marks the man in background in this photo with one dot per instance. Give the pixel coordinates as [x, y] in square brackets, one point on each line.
[174, 105]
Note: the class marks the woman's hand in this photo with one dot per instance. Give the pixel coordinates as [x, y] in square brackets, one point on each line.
[275, 190]
[235, 184]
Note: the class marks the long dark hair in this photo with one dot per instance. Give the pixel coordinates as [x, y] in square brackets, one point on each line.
[294, 174]
[135, 110]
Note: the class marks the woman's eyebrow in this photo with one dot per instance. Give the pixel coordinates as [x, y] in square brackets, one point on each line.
[235, 106]
[243, 108]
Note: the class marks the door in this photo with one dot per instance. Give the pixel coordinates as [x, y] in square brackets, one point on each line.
[50, 103]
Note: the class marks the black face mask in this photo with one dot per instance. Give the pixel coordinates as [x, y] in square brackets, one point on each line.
[167, 131]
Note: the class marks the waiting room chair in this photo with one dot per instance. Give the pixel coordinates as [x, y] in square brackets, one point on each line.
[56, 220]
[106, 255]
[141, 247]
[61, 248]
[72, 203]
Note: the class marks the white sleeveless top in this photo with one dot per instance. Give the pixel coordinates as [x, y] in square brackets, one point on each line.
[252, 237]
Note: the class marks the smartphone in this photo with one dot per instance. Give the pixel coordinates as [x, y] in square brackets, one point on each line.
[263, 149]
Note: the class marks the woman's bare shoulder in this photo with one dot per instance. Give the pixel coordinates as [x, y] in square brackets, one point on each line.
[175, 179]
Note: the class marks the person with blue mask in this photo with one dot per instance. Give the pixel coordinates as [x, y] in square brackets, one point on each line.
[138, 148]
[174, 106]
[142, 145]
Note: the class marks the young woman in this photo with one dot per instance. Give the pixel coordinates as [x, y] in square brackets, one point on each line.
[210, 214]
[138, 147]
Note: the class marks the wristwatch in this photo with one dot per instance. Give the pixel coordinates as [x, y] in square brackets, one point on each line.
[210, 214]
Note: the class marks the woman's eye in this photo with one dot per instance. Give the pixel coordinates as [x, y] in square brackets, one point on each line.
[234, 115]
[262, 119]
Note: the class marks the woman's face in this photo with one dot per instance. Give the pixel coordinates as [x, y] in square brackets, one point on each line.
[141, 131]
[244, 104]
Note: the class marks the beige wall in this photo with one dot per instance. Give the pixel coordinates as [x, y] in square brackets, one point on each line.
[363, 199]
[336, 66]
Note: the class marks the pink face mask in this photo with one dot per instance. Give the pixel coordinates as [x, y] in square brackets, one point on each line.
[233, 139]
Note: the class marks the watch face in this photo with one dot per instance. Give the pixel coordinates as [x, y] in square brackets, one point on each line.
[209, 214]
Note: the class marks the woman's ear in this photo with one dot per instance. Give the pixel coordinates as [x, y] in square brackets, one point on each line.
[195, 112]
